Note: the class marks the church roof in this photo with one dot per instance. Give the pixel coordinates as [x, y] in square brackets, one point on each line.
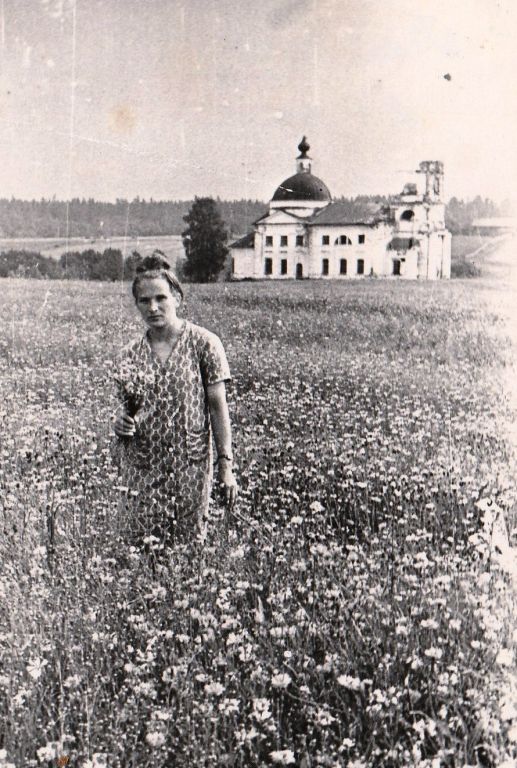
[286, 210]
[346, 213]
[248, 241]
[302, 186]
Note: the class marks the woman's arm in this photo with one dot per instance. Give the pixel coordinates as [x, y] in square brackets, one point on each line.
[222, 430]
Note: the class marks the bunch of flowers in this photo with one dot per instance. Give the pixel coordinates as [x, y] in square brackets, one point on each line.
[133, 382]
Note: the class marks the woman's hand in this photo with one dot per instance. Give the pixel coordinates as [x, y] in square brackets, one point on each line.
[227, 482]
[124, 425]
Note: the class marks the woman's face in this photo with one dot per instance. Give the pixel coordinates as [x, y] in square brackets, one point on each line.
[156, 302]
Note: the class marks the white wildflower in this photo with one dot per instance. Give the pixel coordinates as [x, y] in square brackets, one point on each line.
[505, 657]
[155, 739]
[282, 757]
[48, 752]
[433, 653]
[323, 717]
[35, 668]
[282, 680]
[352, 683]
[214, 689]
[261, 709]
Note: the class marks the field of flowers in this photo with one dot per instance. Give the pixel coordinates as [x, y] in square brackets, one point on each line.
[350, 612]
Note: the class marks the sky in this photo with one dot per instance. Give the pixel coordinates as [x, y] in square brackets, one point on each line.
[174, 98]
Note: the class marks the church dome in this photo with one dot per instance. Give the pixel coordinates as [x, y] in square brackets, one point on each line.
[302, 186]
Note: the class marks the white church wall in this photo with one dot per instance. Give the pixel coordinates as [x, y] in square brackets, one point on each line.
[284, 255]
[243, 262]
[382, 264]
[352, 251]
[439, 256]
[446, 259]
[422, 262]
[436, 216]
[407, 264]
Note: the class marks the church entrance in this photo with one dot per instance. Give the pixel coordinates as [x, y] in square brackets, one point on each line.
[299, 271]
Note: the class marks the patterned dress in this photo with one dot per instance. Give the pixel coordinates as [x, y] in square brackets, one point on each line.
[167, 464]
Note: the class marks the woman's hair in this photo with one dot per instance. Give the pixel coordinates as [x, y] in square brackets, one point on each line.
[155, 265]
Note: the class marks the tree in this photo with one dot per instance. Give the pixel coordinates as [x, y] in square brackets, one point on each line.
[204, 241]
[130, 264]
[112, 265]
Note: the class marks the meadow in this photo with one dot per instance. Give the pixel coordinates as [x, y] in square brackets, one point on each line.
[55, 247]
[349, 612]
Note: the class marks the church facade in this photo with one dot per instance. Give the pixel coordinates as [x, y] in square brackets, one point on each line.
[306, 234]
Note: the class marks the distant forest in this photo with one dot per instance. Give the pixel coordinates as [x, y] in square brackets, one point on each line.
[90, 218]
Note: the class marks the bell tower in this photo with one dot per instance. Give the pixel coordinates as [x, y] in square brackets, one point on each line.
[433, 174]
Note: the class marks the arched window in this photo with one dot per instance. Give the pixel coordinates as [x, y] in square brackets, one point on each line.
[342, 240]
[407, 216]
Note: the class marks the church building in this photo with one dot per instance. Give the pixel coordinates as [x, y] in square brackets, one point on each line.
[306, 234]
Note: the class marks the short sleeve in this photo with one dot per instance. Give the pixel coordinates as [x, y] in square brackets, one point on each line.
[213, 362]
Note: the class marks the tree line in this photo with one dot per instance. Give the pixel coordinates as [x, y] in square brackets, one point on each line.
[204, 241]
[136, 218]
[75, 265]
[141, 218]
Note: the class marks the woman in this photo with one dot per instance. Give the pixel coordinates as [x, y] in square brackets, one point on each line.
[171, 383]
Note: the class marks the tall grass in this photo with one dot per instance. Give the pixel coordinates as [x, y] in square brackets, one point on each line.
[346, 614]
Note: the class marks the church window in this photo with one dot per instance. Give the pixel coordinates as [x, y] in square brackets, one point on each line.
[342, 267]
[324, 266]
[269, 241]
[233, 266]
[299, 240]
[283, 241]
[360, 266]
[396, 266]
[361, 239]
[325, 240]
[342, 240]
[283, 267]
[268, 266]
[407, 216]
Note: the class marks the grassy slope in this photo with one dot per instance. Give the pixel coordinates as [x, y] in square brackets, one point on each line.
[55, 247]
[366, 421]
